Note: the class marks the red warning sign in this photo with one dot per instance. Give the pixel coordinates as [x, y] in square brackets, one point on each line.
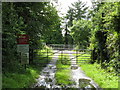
[23, 39]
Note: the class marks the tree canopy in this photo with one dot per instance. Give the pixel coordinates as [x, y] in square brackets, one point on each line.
[38, 20]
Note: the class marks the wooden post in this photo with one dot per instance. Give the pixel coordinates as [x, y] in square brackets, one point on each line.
[62, 56]
[25, 66]
[76, 58]
[47, 56]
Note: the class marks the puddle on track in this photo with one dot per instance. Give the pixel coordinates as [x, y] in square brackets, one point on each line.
[47, 77]
[82, 81]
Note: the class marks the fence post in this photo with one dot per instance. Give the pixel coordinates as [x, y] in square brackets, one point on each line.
[62, 56]
[47, 56]
[76, 57]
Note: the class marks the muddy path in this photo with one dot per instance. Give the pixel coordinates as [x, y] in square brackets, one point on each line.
[82, 81]
[47, 77]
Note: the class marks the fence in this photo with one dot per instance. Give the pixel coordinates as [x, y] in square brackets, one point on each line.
[77, 56]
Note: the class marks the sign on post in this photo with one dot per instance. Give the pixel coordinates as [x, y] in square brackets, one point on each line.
[23, 48]
[23, 39]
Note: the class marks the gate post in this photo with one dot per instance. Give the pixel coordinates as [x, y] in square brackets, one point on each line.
[76, 57]
[47, 56]
[62, 56]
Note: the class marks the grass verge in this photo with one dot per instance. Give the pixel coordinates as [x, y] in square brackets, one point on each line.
[20, 80]
[103, 78]
[63, 72]
[25, 78]
[100, 76]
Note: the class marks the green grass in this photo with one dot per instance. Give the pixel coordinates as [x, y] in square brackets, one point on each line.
[83, 58]
[24, 78]
[103, 78]
[100, 76]
[20, 80]
[44, 57]
[63, 71]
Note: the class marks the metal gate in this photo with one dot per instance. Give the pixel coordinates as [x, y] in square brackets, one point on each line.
[76, 56]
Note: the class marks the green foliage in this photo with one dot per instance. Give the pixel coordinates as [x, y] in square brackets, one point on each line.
[38, 20]
[79, 27]
[105, 35]
[77, 11]
[20, 77]
[80, 31]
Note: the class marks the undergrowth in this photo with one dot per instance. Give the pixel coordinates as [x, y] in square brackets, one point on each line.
[20, 80]
[25, 78]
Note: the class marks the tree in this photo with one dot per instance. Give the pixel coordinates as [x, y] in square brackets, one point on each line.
[77, 11]
[80, 31]
[38, 20]
[105, 34]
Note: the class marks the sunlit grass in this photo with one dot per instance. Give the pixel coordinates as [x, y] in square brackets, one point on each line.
[82, 58]
[100, 76]
[45, 52]
[63, 73]
[103, 78]
[63, 77]
[44, 56]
